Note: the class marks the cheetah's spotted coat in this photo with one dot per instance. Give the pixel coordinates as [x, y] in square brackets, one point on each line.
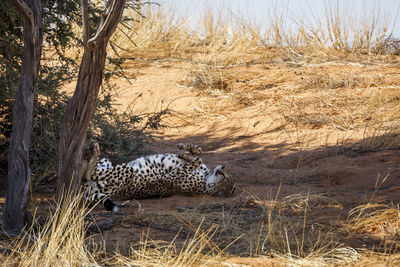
[157, 175]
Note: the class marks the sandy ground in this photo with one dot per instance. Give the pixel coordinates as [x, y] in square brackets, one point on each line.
[267, 159]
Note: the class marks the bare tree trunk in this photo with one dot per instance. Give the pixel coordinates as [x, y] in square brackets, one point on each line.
[18, 153]
[81, 107]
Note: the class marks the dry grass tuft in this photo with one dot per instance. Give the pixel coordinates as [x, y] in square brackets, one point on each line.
[60, 242]
[376, 219]
[159, 253]
[306, 201]
[208, 77]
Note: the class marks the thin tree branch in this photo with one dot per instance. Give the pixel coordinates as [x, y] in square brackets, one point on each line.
[85, 21]
[104, 22]
[109, 23]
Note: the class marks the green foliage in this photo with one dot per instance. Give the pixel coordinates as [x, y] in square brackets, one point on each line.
[122, 136]
[116, 133]
[11, 41]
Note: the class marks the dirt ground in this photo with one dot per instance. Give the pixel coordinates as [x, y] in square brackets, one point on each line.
[268, 157]
[281, 129]
[255, 146]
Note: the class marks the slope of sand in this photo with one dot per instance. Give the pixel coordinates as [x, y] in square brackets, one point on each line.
[253, 141]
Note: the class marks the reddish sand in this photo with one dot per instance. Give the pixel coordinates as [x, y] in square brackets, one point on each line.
[249, 142]
[264, 158]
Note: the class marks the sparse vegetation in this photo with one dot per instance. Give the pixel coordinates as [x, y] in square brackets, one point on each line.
[60, 241]
[205, 234]
[312, 100]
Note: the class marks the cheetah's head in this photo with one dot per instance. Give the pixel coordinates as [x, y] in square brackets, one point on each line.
[220, 183]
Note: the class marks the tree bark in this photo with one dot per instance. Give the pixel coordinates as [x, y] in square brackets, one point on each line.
[19, 173]
[81, 107]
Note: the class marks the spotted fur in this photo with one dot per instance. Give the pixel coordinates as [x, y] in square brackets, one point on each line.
[157, 175]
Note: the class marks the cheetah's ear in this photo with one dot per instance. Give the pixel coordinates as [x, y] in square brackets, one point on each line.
[221, 170]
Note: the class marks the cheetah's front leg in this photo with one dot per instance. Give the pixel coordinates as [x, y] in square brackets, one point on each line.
[192, 149]
[90, 157]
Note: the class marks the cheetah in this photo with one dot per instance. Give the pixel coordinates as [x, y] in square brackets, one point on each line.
[158, 175]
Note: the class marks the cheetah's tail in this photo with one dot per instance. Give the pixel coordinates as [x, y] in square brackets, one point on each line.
[110, 205]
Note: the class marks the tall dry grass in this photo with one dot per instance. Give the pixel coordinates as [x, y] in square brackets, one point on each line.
[59, 242]
[270, 228]
[222, 37]
[345, 28]
[63, 241]
[159, 253]
[281, 229]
